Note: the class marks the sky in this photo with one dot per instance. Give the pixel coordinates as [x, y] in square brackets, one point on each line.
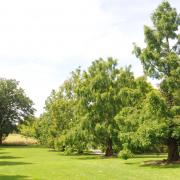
[42, 41]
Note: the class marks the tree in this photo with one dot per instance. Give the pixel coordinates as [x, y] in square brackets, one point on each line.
[59, 126]
[35, 128]
[15, 106]
[143, 126]
[130, 117]
[102, 95]
[160, 59]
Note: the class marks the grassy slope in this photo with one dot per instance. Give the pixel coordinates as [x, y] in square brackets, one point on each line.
[39, 163]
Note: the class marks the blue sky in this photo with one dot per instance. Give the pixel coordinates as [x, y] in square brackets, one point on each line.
[42, 41]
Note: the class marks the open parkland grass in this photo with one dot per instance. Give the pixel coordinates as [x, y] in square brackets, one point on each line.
[35, 162]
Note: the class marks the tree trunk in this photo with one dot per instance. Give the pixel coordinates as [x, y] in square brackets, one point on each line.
[1, 138]
[173, 152]
[109, 149]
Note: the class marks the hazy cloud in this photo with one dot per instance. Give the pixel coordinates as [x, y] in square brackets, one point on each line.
[42, 41]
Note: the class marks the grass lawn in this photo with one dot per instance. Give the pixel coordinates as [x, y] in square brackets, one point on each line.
[30, 162]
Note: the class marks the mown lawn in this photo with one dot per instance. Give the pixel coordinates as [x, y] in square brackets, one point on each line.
[30, 162]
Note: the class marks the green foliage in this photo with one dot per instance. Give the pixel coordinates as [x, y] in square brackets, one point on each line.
[125, 153]
[160, 59]
[28, 128]
[15, 106]
[60, 125]
[80, 114]
[137, 124]
[104, 91]
[36, 128]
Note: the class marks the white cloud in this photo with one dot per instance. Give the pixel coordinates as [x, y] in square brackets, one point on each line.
[36, 79]
[42, 41]
[48, 29]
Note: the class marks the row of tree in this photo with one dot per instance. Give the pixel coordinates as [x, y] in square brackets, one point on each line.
[106, 107]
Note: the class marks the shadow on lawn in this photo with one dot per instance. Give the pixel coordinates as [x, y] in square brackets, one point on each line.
[150, 156]
[11, 177]
[154, 164]
[131, 163]
[9, 163]
[5, 146]
[89, 157]
[92, 157]
[170, 166]
[9, 157]
[4, 153]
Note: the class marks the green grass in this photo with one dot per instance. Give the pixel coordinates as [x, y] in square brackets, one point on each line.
[28, 162]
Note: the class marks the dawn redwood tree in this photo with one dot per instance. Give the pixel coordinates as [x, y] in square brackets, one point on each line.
[15, 106]
[161, 60]
[101, 99]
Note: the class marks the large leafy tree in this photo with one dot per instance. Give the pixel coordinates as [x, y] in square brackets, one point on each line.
[161, 60]
[15, 106]
[102, 95]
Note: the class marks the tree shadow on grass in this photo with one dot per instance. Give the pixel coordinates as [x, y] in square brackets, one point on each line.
[52, 150]
[13, 177]
[93, 156]
[89, 157]
[131, 163]
[160, 164]
[4, 153]
[9, 157]
[13, 145]
[9, 163]
[5, 146]
[151, 156]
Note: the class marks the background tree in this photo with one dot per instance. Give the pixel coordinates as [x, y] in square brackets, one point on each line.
[15, 106]
[35, 128]
[160, 59]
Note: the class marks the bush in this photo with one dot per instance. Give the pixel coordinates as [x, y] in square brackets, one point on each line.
[125, 154]
[68, 151]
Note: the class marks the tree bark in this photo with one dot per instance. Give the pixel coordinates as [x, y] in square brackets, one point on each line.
[109, 149]
[173, 152]
[1, 138]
